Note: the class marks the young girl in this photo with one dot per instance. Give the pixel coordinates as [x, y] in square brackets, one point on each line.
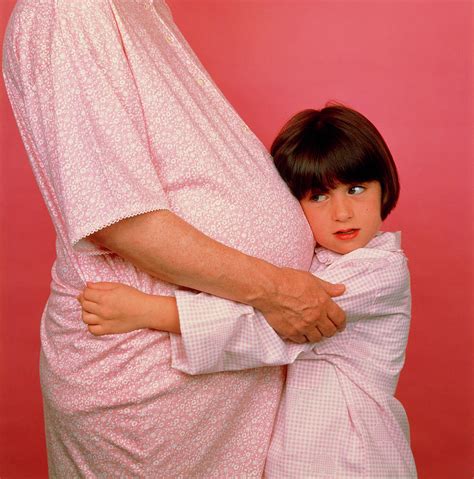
[338, 417]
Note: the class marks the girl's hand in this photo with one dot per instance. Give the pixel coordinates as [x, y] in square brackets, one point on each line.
[113, 308]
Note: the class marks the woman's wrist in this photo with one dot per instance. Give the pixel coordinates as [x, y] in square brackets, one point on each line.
[264, 287]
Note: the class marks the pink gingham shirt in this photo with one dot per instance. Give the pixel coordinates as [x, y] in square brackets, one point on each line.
[119, 118]
[338, 417]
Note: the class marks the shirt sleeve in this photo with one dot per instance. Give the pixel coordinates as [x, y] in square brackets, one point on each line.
[220, 335]
[82, 120]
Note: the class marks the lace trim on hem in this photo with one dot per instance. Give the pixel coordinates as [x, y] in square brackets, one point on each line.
[84, 246]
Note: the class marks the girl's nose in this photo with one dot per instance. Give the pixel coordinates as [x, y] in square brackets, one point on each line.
[342, 209]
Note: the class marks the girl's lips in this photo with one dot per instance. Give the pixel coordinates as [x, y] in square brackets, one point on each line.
[347, 234]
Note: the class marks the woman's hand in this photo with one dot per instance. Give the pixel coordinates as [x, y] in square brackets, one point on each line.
[300, 308]
[113, 308]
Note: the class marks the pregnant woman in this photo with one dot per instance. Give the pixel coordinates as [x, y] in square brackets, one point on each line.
[151, 179]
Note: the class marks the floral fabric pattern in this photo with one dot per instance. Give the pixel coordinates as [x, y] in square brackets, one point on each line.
[119, 118]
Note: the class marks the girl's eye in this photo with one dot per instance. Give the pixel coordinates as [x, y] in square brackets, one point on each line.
[318, 197]
[356, 190]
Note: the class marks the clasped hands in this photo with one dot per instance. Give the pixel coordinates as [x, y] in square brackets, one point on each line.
[299, 308]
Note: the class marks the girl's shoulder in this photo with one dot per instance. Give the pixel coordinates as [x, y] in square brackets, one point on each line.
[386, 246]
[386, 241]
[382, 263]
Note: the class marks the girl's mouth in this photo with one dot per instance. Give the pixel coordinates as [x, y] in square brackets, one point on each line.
[347, 234]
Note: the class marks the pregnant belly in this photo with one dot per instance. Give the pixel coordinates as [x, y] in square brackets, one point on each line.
[258, 217]
[260, 221]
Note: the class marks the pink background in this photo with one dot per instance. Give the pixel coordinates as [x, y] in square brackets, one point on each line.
[404, 64]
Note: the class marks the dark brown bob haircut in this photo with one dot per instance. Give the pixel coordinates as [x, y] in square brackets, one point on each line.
[318, 149]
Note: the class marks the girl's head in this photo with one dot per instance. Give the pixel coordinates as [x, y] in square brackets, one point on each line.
[333, 158]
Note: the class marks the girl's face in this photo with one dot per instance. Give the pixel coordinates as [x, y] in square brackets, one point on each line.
[346, 217]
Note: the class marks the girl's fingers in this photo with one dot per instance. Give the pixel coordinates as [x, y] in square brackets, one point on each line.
[93, 295]
[90, 307]
[95, 329]
[90, 319]
[95, 291]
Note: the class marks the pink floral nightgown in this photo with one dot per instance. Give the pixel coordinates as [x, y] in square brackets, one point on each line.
[119, 118]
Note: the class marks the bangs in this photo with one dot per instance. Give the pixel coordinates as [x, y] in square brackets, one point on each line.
[318, 149]
[322, 161]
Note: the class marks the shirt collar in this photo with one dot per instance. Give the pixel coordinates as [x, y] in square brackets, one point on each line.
[387, 241]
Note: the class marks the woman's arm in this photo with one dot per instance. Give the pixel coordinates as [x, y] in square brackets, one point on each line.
[294, 303]
[99, 170]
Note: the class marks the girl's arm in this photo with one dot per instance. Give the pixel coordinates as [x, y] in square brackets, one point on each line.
[221, 335]
[114, 308]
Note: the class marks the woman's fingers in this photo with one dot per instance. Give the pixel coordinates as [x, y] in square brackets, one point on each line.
[313, 336]
[326, 328]
[337, 316]
[332, 289]
[300, 339]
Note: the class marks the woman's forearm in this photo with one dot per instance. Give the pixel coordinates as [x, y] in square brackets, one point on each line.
[296, 305]
[168, 248]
